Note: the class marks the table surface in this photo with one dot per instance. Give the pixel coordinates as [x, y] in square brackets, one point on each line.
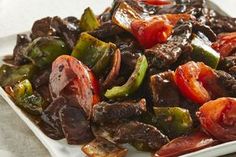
[16, 140]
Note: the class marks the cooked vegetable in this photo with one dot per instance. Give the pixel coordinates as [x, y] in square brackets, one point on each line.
[204, 53]
[133, 83]
[88, 21]
[93, 52]
[155, 30]
[43, 51]
[74, 80]
[157, 2]
[10, 75]
[225, 44]
[217, 117]
[173, 121]
[112, 113]
[124, 15]
[101, 147]
[26, 98]
[186, 144]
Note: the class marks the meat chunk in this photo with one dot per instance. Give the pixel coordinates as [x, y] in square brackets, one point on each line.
[164, 90]
[22, 42]
[141, 134]
[227, 81]
[110, 113]
[101, 147]
[50, 123]
[75, 126]
[164, 55]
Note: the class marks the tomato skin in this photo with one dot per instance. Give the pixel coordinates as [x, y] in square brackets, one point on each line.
[186, 78]
[218, 118]
[74, 80]
[157, 29]
[157, 2]
[225, 44]
[149, 33]
[186, 144]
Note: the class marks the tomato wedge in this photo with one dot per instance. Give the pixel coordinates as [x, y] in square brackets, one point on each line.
[157, 2]
[218, 117]
[225, 44]
[74, 80]
[156, 29]
[185, 144]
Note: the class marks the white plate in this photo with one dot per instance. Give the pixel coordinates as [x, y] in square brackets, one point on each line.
[62, 149]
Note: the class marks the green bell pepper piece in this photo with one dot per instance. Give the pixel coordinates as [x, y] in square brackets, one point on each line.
[44, 50]
[133, 83]
[204, 53]
[10, 75]
[93, 52]
[88, 21]
[27, 99]
[173, 121]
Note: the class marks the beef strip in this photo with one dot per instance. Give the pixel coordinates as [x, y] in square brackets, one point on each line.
[22, 42]
[227, 62]
[137, 132]
[42, 78]
[227, 81]
[164, 90]
[107, 29]
[75, 126]
[111, 113]
[50, 123]
[164, 55]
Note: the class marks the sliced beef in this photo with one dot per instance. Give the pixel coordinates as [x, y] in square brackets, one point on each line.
[42, 78]
[22, 42]
[107, 29]
[101, 147]
[227, 63]
[75, 126]
[164, 55]
[50, 123]
[68, 31]
[105, 16]
[227, 81]
[42, 28]
[140, 133]
[104, 112]
[164, 90]
[217, 22]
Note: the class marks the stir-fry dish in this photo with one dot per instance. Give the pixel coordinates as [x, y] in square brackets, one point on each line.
[159, 75]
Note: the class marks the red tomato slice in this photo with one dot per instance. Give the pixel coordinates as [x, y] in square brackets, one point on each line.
[74, 80]
[186, 78]
[157, 29]
[218, 117]
[185, 144]
[157, 2]
[149, 33]
[225, 44]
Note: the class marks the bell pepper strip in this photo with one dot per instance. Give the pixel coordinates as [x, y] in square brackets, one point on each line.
[90, 50]
[225, 44]
[203, 52]
[133, 83]
[44, 50]
[156, 29]
[157, 2]
[26, 98]
[186, 144]
[198, 82]
[173, 121]
[217, 117]
[72, 79]
[124, 15]
[88, 21]
[10, 75]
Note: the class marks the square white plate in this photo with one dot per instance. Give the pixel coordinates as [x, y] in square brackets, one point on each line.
[62, 149]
